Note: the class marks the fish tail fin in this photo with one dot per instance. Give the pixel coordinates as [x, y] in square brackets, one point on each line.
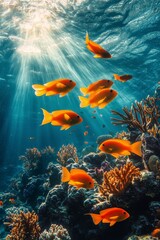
[116, 76]
[87, 38]
[84, 101]
[65, 175]
[84, 90]
[136, 148]
[47, 117]
[95, 217]
[39, 89]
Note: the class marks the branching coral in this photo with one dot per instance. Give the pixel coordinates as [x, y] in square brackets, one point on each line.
[24, 226]
[117, 180]
[34, 159]
[143, 115]
[55, 232]
[66, 152]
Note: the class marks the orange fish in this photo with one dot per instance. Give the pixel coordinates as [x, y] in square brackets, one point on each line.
[109, 215]
[85, 142]
[117, 147]
[60, 86]
[1, 203]
[63, 118]
[122, 78]
[96, 49]
[156, 233]
[85, 133]
[12, 200]
[98, 99]
[99, 85]
[78, 178]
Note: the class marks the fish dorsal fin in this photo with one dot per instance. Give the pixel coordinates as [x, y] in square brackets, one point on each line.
[60, 85]
[50, 84]
[114, 218]
[126, 142]
[76, 171]
[104, 211]
[67, 117]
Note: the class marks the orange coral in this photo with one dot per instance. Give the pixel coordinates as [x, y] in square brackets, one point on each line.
[24, 226]
[116, 180]
[66, 152]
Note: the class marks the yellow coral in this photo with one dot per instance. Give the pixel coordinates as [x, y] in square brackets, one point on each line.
[24, 226]
[116, 180]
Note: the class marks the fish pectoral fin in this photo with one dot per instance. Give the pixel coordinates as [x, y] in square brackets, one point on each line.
[125, 152]
[101, 101]
[76, 184]
[39, 93]
[113, 218]
[55, 123]
[97, 56]
[60, 85]
[67, 117]
[65, 127]
[49, 93]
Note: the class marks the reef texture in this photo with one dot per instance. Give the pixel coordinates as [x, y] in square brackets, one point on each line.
[55, 232]
[24, 226]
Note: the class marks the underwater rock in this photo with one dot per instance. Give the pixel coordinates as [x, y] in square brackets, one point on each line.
[154, 164]
[150, 146]
[87, 150]
[146, 237]
[95, 159]
[53, 171]
[55, 232]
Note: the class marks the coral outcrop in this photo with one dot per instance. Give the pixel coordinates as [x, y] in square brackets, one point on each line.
[66, 152]
[117, 180]
[24, 226]
[55, 232]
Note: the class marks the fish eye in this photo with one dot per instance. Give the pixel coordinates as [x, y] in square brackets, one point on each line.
[70, 80]
[108, 81]
[103, 145]
[78, 116]
[124, 213]
[90, 183]
[111, 90]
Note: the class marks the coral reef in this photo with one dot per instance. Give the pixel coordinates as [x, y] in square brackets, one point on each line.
[35, 161]
[55, 232]
[146, 237]
[117, 180]
[143, 116]
[66, 152]
[24, 226]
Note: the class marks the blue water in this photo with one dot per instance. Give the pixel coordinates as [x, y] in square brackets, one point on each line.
[45, 40]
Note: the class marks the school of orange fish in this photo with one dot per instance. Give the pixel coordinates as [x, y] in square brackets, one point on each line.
[100, 95]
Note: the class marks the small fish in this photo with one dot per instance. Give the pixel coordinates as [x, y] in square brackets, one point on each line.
[98, 85]
[156, 233]
[12, 200]
[118, 147]
[122, 78]
[86, 142]
[98, 99]
[1, 203]
[60, 86]
[85, 133]
[96, 49]
[109, 215]
[78, 178]
[63, 118]
[103, 125]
